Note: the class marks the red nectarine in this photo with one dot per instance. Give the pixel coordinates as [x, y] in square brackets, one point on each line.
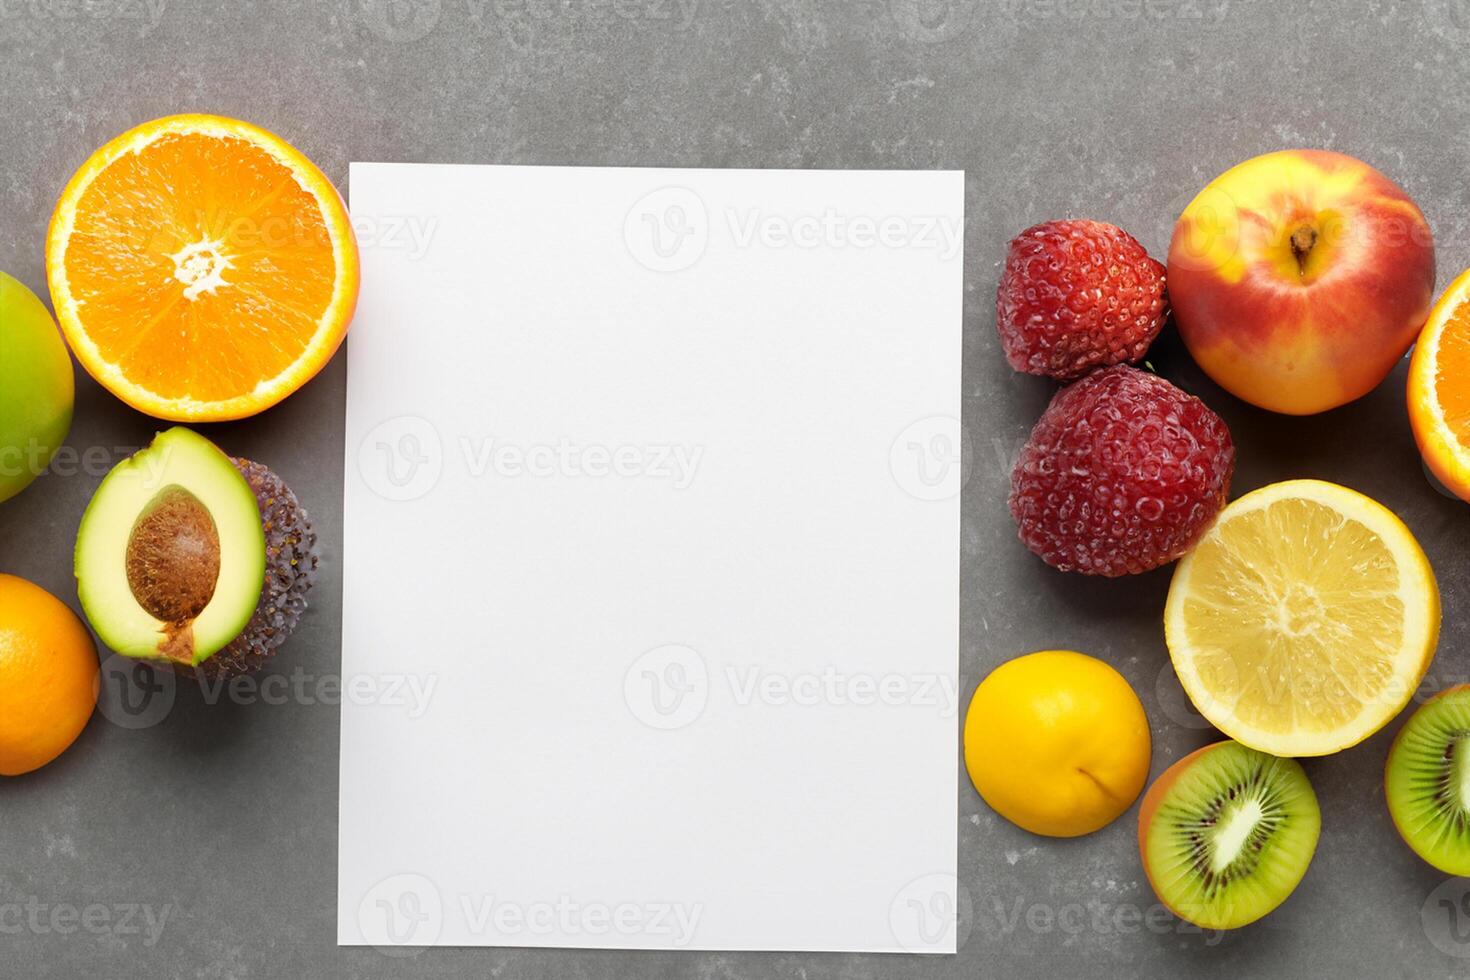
[1300, 278]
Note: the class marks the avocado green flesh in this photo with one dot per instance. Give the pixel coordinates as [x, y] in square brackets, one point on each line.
[1232, 837]
[1427, 782]
[179, 465]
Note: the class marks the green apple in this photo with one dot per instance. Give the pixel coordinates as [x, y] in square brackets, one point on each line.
[37, 387]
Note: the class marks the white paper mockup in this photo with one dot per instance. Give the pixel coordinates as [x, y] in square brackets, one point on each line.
[651, 560]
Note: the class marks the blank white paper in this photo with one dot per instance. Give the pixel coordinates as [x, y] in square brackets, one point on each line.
[651, 560]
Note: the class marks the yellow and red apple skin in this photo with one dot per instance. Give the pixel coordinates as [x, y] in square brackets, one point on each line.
[1294, 330]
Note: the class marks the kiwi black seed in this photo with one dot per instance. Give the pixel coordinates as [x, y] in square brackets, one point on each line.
[1427, 781]
[1227, 833]
[290, 571]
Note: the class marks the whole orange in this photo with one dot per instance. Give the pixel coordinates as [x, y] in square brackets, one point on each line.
[48, 676]
[1057, 743]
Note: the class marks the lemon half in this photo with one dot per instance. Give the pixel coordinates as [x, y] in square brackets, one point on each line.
[1304, 620]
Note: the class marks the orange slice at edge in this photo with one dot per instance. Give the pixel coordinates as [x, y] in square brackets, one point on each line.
[1439, 388]
[201, 268]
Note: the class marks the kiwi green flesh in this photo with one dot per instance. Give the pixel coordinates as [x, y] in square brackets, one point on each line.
[1232, 836]
[1427, 782]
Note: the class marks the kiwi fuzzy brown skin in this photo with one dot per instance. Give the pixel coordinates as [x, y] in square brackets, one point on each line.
[1460, 869]
[290, 572]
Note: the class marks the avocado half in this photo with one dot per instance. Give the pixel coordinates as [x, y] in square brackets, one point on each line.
[171, 554]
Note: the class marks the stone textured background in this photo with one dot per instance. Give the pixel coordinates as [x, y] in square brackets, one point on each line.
[221, 818]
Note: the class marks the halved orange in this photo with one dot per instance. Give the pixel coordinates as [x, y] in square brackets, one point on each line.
[201, 268]
[1439, 388]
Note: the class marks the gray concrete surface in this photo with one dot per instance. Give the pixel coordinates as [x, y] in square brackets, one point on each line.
[196, 840]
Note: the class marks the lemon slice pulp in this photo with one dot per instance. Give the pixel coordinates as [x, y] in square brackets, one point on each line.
[1304, 619]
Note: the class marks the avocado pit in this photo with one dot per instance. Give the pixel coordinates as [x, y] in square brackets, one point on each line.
[173, 563]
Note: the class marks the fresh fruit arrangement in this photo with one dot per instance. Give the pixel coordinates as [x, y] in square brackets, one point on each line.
[201, 269]
[1301, 617]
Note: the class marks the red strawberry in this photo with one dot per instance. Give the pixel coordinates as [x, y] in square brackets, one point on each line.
[1076, 295]
[1123, 473]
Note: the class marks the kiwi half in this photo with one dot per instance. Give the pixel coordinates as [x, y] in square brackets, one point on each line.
[1227, 833]
[1427, 781]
